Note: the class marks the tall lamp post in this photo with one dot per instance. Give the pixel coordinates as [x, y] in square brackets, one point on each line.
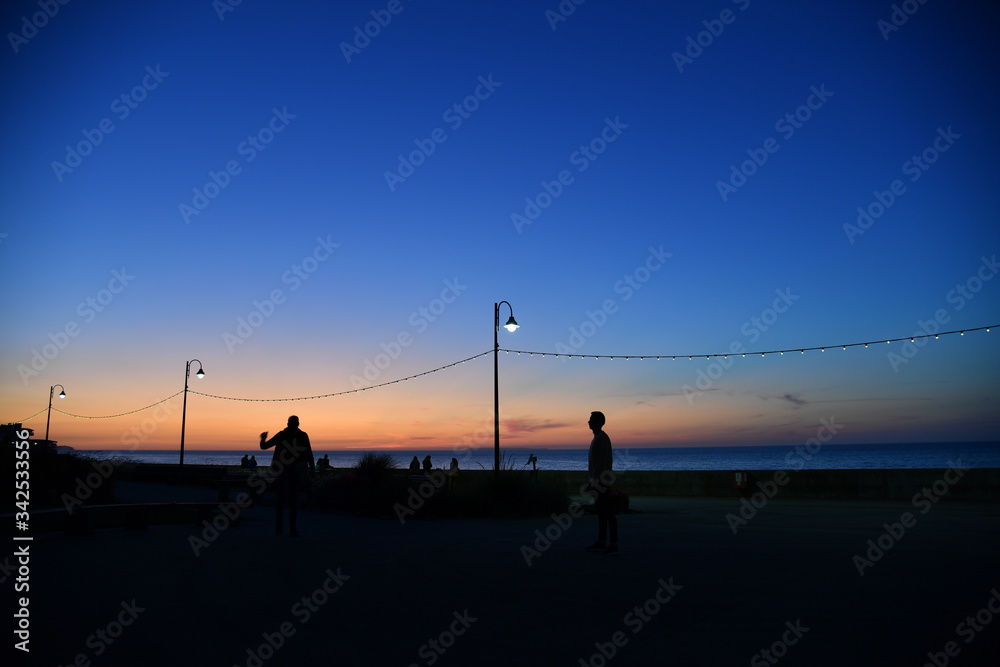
[510, 326]
[52, 391]
[187, 374]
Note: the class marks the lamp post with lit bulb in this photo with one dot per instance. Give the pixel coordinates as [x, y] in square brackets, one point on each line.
[187, 374]
[510, 326]
[52, 391]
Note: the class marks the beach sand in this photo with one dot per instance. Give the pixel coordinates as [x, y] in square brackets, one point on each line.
[684, 589]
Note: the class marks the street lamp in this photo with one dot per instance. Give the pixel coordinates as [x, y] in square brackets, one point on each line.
[510, 326]
[187, 374]
[62, 394]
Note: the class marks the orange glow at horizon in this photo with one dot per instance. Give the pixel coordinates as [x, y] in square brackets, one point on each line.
[542, 405]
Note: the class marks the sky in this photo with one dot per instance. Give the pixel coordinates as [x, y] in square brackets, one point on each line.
[307, 199]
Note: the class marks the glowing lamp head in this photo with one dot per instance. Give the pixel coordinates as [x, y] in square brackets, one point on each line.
[62, 394]
[200, 374]
[511, 325]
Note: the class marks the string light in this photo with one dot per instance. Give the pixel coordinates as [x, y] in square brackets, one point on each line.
[762, 353]
[21, 421]
[801, 350]
[122, 414]
[349, 391]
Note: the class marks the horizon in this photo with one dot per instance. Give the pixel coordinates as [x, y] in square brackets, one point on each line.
[301, 216]
[564, 448]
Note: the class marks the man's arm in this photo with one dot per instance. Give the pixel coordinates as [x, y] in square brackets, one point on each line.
[267, 444]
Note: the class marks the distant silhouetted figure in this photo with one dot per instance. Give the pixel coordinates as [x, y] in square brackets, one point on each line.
[415, 465]
[292, 456]
[452, 473]
[245, 461]
[252, 463]
[599, 460]
[323, 463]
[427, 463]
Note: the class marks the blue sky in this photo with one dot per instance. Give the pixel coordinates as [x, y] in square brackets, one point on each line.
[534, 95]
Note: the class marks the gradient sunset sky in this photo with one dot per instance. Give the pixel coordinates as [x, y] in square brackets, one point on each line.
[287, 191]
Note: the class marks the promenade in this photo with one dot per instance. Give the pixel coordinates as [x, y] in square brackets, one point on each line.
[784, 589]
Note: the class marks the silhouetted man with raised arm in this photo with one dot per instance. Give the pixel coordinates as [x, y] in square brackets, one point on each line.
[292, 455]
[599, 460]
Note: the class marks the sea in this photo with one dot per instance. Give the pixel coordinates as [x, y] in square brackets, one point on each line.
[936, 455]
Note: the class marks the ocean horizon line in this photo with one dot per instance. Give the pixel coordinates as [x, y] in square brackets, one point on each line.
[526, 448]
[980, 454]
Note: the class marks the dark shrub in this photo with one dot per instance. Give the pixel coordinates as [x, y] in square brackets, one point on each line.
[375, 466]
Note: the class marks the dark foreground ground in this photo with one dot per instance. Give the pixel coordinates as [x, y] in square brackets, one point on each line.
[684, 590]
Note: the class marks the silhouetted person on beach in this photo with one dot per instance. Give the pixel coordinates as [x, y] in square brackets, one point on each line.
[415, 465]
[245, 461]
[599, 460]
[323, 463]
[252, 463]
[427, 463]
[452, 474]
[292, 456]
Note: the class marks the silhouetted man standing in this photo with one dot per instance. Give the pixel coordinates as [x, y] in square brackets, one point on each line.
[292, 455]
[599, 461]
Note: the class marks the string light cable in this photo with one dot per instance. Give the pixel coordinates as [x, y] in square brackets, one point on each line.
[348, 391]
[121, 414]
[262, 400]
[26, 419]
[724, 355]
[761, 353]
